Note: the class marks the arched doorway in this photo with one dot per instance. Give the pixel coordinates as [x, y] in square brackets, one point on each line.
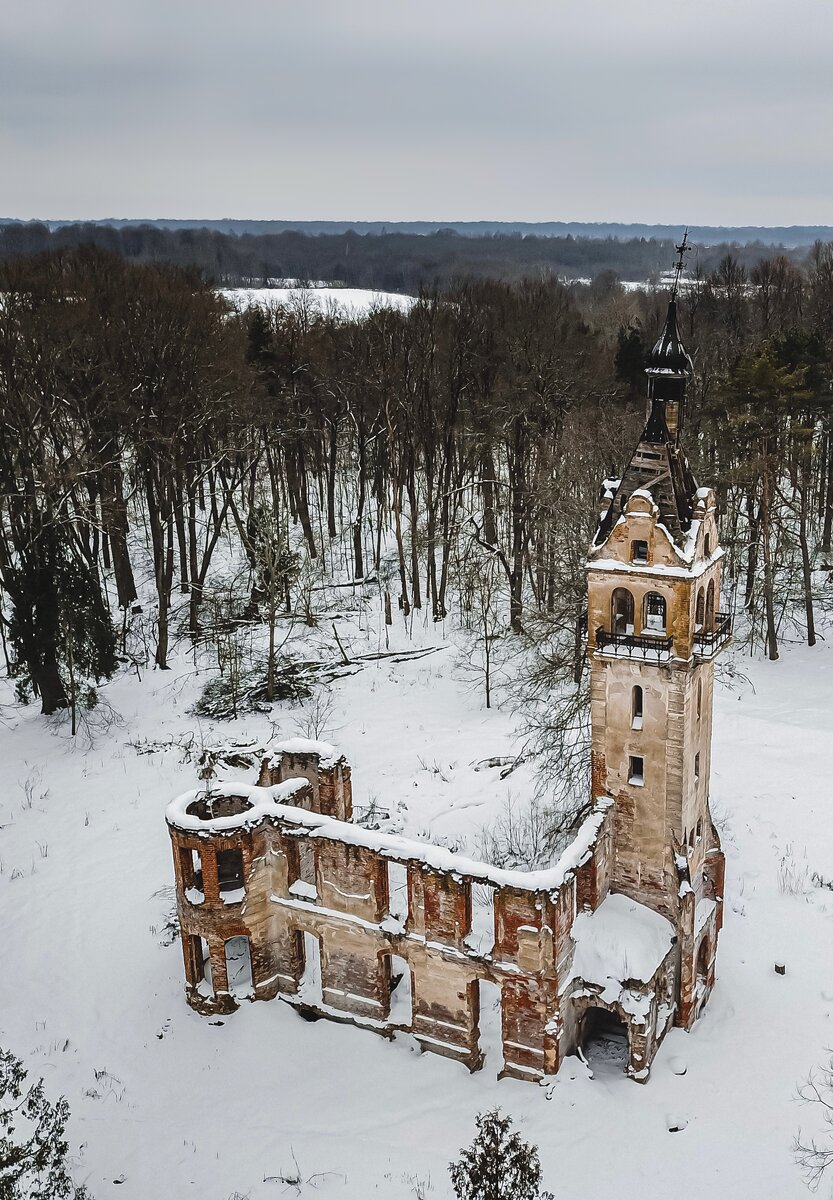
[604, 1040]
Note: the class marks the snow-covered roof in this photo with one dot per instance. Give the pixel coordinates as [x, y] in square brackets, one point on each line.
[259, 803]
[621, 942]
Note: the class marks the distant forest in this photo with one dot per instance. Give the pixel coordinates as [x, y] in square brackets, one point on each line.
[389, 261]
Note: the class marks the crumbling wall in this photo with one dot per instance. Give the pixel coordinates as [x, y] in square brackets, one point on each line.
[309, 884]
[326, 771]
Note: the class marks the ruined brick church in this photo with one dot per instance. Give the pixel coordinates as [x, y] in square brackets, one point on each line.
[280, 894]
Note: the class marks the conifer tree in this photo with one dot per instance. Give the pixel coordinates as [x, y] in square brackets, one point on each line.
[498, 1165]
[33, 1148]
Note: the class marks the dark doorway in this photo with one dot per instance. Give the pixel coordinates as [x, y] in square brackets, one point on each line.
[604, 1040]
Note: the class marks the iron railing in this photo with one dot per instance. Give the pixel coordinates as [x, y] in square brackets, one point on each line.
[709, 641]
[634, 644]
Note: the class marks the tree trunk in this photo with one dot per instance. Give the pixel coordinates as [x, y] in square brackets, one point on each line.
[806, 565]
[827, 527]
[114, 519]
[331, 480]
[769, 580]
[46, 678]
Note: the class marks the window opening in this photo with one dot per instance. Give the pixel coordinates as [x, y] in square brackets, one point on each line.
[309, 989]
[703, 961]
[490, 1025]
[206, 984]
[304, 887]
[696, 766]
[398, 893]
[622, 611]
[191, 867]
[230, 876]
[636, 769]
[710, 606]
[699, 698]
[239, 967]
[654, 611]
[401, 991]
[699, 611]
[636, 707]
[639, 552]
[481, 935]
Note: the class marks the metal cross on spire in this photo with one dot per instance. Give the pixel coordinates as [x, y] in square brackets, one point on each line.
[682, 251]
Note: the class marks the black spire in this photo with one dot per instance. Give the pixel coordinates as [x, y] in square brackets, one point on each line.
[669, 356]
[659, 464]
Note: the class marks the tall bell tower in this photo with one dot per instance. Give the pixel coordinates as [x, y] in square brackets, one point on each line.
[654, 630]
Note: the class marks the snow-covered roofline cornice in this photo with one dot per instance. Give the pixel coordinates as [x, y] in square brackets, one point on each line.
[656, 570]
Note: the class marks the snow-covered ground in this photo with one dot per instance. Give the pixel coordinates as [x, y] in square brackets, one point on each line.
[173, 1105]
[349, 302]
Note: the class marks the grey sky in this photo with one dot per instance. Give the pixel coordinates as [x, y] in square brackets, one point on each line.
[635, 110]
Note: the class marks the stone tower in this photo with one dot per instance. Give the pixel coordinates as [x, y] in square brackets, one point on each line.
[654, 629]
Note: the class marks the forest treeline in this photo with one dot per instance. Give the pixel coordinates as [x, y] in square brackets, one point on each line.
[393, 261]
[452, 452]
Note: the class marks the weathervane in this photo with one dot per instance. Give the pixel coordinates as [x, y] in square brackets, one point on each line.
[682, 251]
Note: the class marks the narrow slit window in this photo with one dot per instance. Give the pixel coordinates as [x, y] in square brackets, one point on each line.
[699, 698]
[636, 770]
[192, 876]
[637, 701]
[696, 767]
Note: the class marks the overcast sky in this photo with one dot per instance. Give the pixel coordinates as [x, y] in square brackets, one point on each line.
[705, 111]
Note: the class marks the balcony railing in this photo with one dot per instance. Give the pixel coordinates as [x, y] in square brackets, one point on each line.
[634, 645]
[707, 642]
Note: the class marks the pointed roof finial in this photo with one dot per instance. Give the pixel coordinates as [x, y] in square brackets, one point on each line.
[682, 251]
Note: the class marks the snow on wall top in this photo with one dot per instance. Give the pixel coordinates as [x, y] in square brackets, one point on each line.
[621, 941]
[268, 802]
[327, 754]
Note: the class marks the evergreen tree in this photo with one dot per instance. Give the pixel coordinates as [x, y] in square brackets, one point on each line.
[631, 356]
[498, 1165]
[60, 625]
[33, 1149]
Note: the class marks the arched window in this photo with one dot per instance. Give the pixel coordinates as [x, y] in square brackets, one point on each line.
[707, 545]
[710, 606]
[653, 613]
[621, 611]
[700, 609]
[636, 707]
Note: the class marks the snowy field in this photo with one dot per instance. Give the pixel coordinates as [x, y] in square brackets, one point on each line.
[349, 302]
[167, 1104]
